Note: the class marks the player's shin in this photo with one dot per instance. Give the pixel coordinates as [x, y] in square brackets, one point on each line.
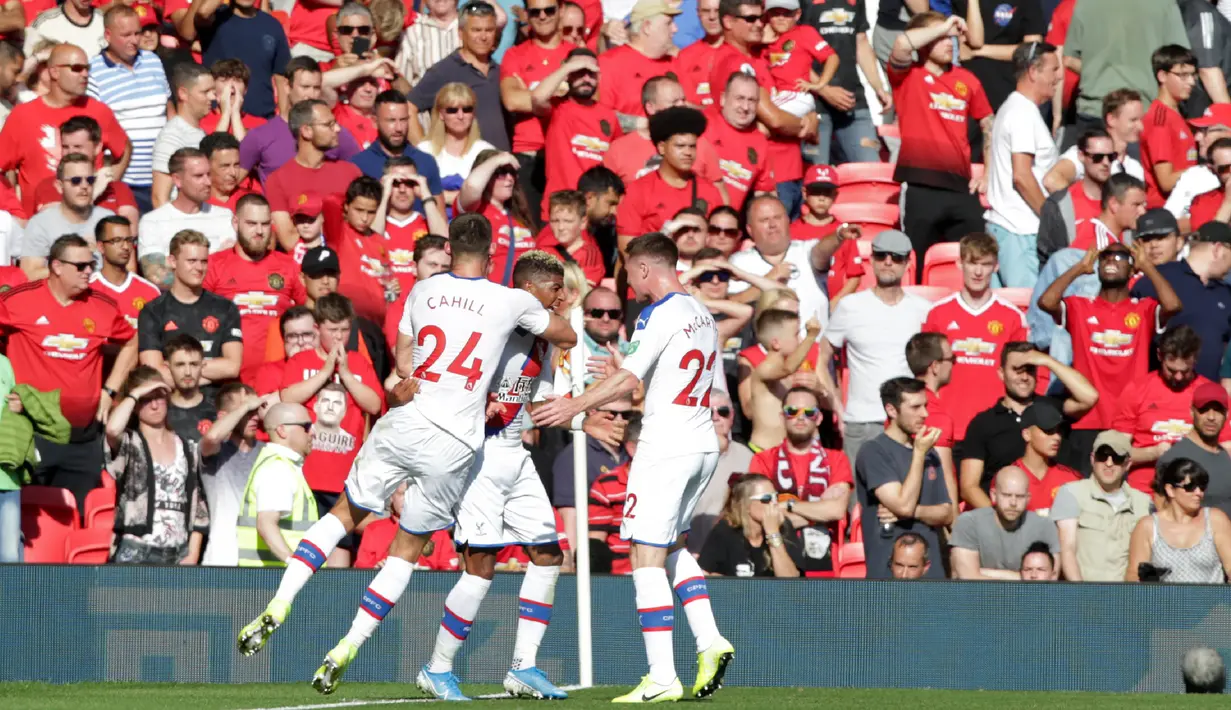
[689, 583]
[656, 611]
[538, 592]
[309, 555]
[461, 607]
[379, 599]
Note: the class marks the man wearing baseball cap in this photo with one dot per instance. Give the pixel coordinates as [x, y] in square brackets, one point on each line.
[1202, 443]
[1197, 280]
[1042, 424]
[1097, 550]
[838, 241]
[623, 70]
[874, 326]
[1159, 234]
[308, 218]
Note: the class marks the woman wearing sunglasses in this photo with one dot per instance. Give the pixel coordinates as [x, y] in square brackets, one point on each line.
[492, 190]
[161, 516]
[453, 138]
[753, 538]
[1185, 542]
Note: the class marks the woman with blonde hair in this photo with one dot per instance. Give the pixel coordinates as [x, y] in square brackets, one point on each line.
[453, 137]
[753, 537]
[492, 190]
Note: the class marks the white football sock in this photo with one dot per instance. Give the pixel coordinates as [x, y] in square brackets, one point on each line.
[309, 555]
[656, 610]
[538, 591]
[379, 598]
[689, 583]
[461, 607]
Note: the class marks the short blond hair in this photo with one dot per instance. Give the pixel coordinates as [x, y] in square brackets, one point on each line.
[977, 245]
[186, 237]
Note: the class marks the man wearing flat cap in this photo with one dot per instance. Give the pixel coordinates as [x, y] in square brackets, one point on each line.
[1111, 332]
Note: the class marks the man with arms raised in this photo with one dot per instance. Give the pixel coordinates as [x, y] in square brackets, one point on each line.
[452, 324]
[677, 455]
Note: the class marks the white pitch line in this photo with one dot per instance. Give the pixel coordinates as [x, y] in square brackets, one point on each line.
[393, 701]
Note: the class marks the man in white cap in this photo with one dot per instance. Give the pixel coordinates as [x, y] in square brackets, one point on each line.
[873, 326]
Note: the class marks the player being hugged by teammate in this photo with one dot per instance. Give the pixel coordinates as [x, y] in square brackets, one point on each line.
[673, 349]
[454, 328]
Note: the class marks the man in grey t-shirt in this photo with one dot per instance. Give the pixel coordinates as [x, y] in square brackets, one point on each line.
[75, 213]
[989, 543]
[1209, 415]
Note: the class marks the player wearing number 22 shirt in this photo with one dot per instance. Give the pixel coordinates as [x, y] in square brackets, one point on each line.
[453, 331]
[673, 350]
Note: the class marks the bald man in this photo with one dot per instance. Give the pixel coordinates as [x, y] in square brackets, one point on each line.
[277, 492]
[989, 543]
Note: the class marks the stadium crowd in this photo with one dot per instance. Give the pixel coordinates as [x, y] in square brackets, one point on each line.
[983, 336]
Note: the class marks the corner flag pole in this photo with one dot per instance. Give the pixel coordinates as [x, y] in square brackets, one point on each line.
[581, 497]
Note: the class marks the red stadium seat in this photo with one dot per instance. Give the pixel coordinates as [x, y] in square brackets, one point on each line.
[1019, 297]
[872, 218]
[867, 182]
[941, 265]
[889, 130]
[856, 526]
[48, 515]
[868, 280]
[853, 564]
[91, 546]
[100, 508]
[108, 480]
[931, 293]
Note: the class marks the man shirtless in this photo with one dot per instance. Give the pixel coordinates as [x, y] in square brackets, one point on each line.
[780, 360]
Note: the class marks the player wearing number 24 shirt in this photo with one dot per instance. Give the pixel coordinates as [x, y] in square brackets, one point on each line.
[453, 330]
[673, 349]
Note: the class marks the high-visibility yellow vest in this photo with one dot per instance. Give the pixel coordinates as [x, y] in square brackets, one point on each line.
[253, 552]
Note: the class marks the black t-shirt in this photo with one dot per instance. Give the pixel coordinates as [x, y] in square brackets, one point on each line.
[840, 22]
[1004, 22]
[881, 461]
[211, 319]
[260, 42]
[191, 423]
[728, 552]
[892, 14]
[995, 438]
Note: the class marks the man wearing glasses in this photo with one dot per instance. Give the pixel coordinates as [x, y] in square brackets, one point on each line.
[817, 479]
[56, 330]
[1067, 208]
[114, 238]
[1122, 118]
[76, 213]
[1168, 147]
[1109, 508]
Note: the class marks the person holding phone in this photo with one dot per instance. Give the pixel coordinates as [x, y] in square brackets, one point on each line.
[753, 538]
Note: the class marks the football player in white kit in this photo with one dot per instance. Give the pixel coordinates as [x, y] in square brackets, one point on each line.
[453, 330]
[505, 504]
[673, 349]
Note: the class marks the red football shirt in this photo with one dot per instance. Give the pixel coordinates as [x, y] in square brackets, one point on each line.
[633, 156]
[845, 264]
[363, 261]
[1204, 207]
[693, 66]
[247, 187]
[211, 120]
[363, 128]
[59, 347]
[784, 153]
[977, 337]
[1166, 138]
[808, 477]
[1057, 32]
[400, 238]
[30, 140]
[9, 201]
[11, 277]
[606, 512]
[1084, 208]
[338, 423]
[503, 222]
[292, 183]
[588, 256]
[130, 297]
[532, 63]
[116, 195]
[1043, 490]
[649, 202]
[1111, 347]
[307, 24]
[792, 54]
[939, 417]
[261, 290]
[1093, 233]
[578, 136]
[393, 316]
[933, 111]
[743, 158]
[621, 73]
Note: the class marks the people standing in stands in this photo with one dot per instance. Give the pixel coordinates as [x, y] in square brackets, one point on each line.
[231, 81]
[392, 141]
[241, 30]
[1122, 112]
[492, 190]
[1068, 208]
[192, 86]
[1168, 147]
[1202, 443]
[453, 138]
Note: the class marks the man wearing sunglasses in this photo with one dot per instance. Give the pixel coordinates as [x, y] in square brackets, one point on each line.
[1096, 550]
[75, 213]
[1066, 209]
[603, 348]
[818, 478]
[1122, 111]
[1203, 443]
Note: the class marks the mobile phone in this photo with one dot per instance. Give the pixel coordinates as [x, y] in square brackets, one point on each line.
[362, 45]
[957, 51]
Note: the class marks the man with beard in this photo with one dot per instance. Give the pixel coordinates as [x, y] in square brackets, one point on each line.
[818, 480]
[392, 128]
[1156, 410]
[262, 283]
[189, 210]
[1201, 444]
[989, 543]
[189, 412]
[114, 240]
[579, 129]
[994, 438]
[1111, 331]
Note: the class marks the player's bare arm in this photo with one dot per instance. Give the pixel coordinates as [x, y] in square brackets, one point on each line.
[559, 333]
[560, 411]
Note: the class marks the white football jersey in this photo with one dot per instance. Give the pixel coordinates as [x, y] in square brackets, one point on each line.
[673, 351]
[525, 376]
[460, 327]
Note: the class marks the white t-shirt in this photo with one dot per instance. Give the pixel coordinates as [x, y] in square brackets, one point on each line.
[175, 134]
[224, 489]
[874, 335]
[461, 326]
[804, 281]
[1128, 164]
[1019, 128]
[674, 350]
[54, 25]
[450, 165]
[159, 226]
[1194, 181]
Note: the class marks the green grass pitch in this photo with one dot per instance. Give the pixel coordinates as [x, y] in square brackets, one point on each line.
[388, 696]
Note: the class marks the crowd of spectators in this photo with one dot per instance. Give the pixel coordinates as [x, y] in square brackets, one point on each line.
[212, 214]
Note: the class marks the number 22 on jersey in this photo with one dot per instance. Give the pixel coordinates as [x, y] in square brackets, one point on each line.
[472, 371]
[687, 397]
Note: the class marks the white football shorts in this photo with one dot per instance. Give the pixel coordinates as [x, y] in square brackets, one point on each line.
[505, 502]
[663, 490]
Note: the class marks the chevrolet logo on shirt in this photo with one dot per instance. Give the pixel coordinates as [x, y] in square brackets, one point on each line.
[1112, 338]
[401, 257]
[65, 346]
[973, 346]
[1170, 429]
[837, 16]
[735, 169]
[256, 299]
[947, 102]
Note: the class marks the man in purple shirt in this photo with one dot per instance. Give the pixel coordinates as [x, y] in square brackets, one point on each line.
[267, 147]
